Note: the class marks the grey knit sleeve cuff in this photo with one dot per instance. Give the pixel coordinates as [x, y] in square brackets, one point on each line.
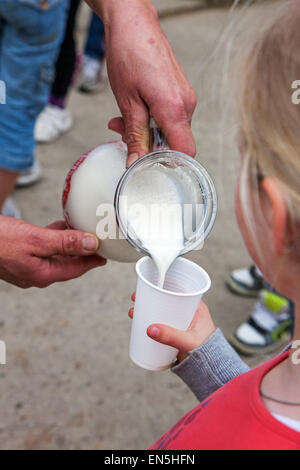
[211, 366]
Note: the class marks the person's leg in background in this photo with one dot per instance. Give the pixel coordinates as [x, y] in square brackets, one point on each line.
[66, 62]
[7, 178]
[94, 54]
[7, 183]
[246, 282]
[56, 119]
[270, 325]
[30, 39]
[95, 43]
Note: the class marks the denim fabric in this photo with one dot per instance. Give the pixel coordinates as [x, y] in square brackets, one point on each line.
[95, 44]
[31, 32]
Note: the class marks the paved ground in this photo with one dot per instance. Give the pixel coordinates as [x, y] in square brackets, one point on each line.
[69, 383]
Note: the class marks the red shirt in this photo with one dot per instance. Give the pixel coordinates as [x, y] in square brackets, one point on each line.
[233, 418]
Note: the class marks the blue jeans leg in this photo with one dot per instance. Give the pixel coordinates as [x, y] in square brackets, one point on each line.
[95, 44]
[30, 40]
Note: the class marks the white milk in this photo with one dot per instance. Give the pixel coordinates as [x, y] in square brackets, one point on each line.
[154, 212]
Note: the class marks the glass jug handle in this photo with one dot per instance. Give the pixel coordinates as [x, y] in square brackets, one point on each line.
[159, 139]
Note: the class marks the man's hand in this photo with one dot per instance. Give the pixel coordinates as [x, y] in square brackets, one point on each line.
[146, 77]
[201, 328]
[32, 256]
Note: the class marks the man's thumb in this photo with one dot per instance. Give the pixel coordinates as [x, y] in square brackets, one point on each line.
[137, 134]
[73, 242]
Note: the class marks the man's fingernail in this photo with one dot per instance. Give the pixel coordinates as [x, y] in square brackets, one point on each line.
[90, 243]
[154, 332]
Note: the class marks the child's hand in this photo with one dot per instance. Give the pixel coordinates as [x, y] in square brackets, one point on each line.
[199, 330]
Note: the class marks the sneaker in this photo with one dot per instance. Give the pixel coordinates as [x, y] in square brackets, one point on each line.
[51, 123]
[90, 79]
[268, 328]
[9, 209]
[247, 282]
[30, 176]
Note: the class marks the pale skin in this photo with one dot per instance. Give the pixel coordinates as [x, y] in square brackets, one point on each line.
[7, 183]
[146, 79]
[281, 268]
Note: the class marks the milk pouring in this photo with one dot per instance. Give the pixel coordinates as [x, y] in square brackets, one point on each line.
[154, 206]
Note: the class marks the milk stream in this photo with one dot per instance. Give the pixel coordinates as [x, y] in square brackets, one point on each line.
[154, 205]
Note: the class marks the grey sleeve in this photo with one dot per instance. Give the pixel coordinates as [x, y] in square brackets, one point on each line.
[211, 366]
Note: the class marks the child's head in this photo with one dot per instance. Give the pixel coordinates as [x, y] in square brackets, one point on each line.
[268, 195]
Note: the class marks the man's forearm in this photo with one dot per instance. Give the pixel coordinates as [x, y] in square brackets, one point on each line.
[107, 8]
[145, 77]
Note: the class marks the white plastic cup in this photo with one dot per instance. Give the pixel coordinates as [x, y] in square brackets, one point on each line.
[175, 306]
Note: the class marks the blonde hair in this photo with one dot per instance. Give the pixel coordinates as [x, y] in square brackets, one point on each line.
[270, 122]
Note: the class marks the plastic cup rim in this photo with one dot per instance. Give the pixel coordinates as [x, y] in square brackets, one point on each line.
[169, 292]
[149, 367]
